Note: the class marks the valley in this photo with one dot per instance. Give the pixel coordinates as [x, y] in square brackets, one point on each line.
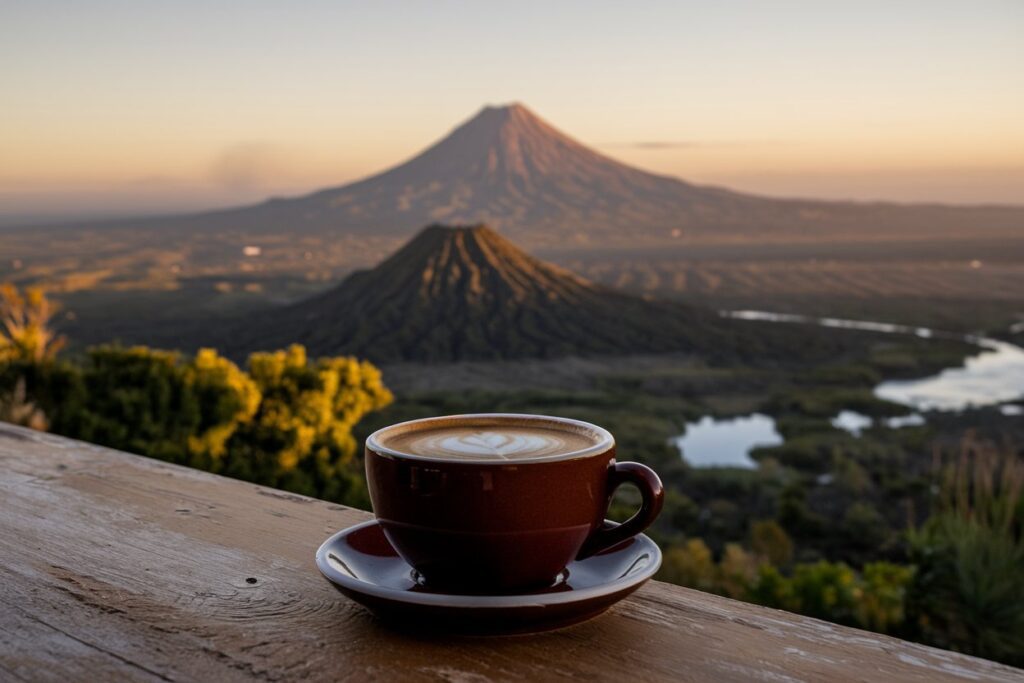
[929, 283]
[166, 280]
[594, 291]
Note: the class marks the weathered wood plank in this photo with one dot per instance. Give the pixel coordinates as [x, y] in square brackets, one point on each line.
[116, 567]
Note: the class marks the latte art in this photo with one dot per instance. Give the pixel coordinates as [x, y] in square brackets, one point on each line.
[486, 443]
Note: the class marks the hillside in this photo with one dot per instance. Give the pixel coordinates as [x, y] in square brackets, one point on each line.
[458, 293]
[462, 293]
[466, 292]
[509, 168]
[512, 170]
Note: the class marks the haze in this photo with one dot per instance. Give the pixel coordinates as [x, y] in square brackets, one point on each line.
[128, 107]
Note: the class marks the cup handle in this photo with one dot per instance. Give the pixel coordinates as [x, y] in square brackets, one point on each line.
[651, 491]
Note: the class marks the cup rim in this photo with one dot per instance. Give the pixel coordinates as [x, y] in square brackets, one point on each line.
[606, 442]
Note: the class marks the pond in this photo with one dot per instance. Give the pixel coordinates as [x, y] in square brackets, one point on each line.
[855, 423]
[728, 442]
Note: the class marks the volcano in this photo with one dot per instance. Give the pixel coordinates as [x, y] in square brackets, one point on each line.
[512, 170]
[509, 168]
[505, 167]
[458, 293]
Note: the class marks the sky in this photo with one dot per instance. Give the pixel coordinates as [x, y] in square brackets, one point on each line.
[128, 107]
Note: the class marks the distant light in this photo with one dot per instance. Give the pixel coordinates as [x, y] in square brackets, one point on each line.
[975, 264]
[677, 233]
[251, 251]
[16, 263]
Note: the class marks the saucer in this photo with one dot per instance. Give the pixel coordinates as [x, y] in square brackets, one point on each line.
[362, 564]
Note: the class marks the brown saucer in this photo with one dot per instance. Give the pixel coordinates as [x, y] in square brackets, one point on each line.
[361, 563]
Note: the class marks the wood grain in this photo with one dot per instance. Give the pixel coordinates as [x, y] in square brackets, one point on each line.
[116, 567]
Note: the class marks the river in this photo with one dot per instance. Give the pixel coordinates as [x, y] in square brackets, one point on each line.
[993, 376]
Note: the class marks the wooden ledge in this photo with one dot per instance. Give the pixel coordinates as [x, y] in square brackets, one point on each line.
[120, 567]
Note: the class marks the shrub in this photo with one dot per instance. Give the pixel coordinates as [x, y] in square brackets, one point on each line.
[25, 331]
[770, 541]
[968, 592]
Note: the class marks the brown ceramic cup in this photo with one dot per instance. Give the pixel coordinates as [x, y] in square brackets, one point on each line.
[488, 524]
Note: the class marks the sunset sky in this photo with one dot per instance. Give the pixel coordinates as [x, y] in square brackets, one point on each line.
[111, 107]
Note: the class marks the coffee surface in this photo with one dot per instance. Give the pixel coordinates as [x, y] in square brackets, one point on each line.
[499, 442]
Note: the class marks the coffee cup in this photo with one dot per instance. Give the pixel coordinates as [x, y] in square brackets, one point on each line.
[500, 502]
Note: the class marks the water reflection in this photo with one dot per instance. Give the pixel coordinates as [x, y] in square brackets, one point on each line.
[993, 376]
[855, 423]
[727, 443]
[851, 421]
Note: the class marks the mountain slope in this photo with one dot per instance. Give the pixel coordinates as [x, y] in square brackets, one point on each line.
[505, 167]
[468, 293]
[511, 169]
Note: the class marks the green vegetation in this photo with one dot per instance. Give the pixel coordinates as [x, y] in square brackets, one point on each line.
[915, 532]
[843, 528]
[284, 421]
[27, 335]
[969, 595]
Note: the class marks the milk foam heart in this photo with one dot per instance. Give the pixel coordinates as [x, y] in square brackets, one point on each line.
[504, 442]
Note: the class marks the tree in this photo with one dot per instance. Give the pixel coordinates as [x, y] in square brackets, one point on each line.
[825, 590]
[25, 331]
[882, 606]
[690, 565]
[771, 542]
[300, 437]
[736, 571]
[864, 527]
[227, 397]
[968, 590]
[286, 423]
[17, 409]
[163, 405]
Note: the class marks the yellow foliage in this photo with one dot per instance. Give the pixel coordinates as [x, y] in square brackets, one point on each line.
[25, 332]
[314, 405]
[690, 565]
[737, 570]
[239, 399]
[770, 542]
